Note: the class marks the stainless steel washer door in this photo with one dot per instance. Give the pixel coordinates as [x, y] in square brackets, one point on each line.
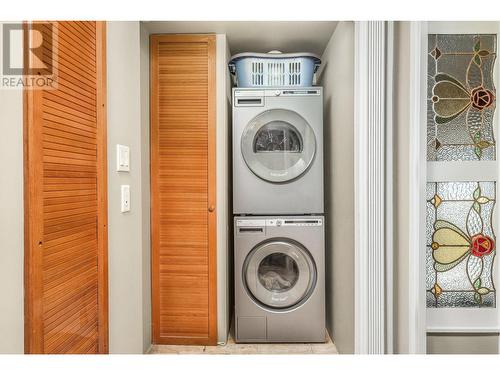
[279, 273]
[278, 145]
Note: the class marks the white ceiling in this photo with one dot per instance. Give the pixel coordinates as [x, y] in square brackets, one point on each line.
[257, 36]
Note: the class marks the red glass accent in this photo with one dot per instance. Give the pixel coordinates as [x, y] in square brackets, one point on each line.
[481, 98]
[482, 245]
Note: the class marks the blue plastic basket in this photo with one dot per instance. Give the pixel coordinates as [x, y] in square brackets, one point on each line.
[274, 69]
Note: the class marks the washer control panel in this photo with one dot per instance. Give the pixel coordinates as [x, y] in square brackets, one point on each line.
[294, 222]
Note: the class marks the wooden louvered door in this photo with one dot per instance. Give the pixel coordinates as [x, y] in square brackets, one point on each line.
[183, 212]
[65, 195]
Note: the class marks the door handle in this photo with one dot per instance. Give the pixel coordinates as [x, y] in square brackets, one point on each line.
[211, 208]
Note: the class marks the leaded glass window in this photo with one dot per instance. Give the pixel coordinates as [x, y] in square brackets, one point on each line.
[460, 244]
[461, 196]
[460, 97]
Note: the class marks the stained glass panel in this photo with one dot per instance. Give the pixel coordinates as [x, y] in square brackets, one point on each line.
[460, 244]
[461, 97]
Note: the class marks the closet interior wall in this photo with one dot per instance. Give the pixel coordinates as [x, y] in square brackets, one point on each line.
[336, 75]
[224, 213]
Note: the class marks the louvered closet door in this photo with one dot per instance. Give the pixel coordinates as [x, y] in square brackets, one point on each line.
[183, 189]
[65, 164]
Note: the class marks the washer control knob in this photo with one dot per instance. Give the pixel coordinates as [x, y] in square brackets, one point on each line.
[277, 93]
[278, 223]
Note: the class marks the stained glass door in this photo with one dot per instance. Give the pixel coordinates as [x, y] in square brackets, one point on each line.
[462, 175]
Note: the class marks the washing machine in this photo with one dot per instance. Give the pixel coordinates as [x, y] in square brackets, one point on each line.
[278, 151]
[279, 279]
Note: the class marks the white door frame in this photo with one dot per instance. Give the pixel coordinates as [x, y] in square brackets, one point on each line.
[418, 314]
[373, 187]
[418, 176]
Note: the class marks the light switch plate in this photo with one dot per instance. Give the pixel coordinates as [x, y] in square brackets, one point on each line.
[122, 158]
[125, 206]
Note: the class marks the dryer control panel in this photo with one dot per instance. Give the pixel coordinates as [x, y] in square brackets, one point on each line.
[256, 97]
[296, 92]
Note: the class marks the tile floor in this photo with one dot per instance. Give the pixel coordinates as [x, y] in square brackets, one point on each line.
[233, 348]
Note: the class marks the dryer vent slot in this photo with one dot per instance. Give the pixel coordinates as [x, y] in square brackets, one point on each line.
[250, 102]
[251, 230]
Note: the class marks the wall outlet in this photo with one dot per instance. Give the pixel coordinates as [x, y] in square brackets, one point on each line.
[125, 206]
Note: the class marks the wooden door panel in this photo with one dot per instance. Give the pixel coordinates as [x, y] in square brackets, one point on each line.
[65, 197]
[183, 188]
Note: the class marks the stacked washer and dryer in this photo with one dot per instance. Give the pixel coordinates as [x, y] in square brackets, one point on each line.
[278, 204]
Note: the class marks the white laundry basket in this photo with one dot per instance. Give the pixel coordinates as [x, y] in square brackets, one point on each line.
[274, 69]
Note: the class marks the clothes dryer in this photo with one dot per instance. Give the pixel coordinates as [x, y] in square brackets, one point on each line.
[278, 151]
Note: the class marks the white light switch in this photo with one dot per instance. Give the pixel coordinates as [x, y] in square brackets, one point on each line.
[125, 198]
[122, 158]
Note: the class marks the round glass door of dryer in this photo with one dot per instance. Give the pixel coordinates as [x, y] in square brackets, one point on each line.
[279, 274]
[278, 145]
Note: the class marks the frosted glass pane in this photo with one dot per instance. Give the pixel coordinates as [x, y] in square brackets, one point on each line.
[461, 97]
[460, 247]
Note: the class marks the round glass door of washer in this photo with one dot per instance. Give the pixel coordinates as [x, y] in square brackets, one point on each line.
[279, 274]
[278, 145]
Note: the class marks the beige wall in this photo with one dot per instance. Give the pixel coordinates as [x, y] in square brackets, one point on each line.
[337, 78]
[128, 233]
[11, 217]
[462, 343]
[145, 190]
